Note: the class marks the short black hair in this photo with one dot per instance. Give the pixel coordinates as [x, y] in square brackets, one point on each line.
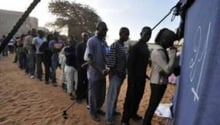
[146, 29]
[100, 24]
[123, 29]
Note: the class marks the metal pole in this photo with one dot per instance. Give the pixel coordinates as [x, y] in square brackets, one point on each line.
[18, 24]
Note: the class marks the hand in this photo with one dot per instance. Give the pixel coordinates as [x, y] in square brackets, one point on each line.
[59, 65]
[105, 72]
[147, 77]
[172, 52]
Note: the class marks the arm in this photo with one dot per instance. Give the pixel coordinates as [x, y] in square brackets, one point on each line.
[159, 57]
[131, 61]
[90, 51]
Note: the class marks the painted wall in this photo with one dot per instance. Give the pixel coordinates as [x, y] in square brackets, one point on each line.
[9, 18]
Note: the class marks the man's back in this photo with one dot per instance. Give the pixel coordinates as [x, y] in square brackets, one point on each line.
[138, 59]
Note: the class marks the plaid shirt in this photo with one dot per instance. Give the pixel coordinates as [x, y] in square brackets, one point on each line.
[117, 59]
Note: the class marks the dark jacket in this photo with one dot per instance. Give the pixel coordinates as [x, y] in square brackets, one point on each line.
[70, 56]
[138, 58]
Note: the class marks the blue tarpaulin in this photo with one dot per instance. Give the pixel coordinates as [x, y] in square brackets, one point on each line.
[198, 93]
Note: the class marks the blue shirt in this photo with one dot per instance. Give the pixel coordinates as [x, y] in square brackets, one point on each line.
[96, 52]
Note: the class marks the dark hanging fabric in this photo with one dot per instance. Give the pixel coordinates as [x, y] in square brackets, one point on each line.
[181, 9]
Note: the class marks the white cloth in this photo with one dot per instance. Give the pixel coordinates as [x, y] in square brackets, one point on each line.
[71, 76]
[163, 110]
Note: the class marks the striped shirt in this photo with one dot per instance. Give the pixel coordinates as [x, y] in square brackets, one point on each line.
[117, 59]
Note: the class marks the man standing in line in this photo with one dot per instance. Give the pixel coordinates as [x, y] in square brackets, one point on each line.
[31, 57]
[47, 57]
[38, 41]
[138, 58]
[117, 64]
[96, 52]
[70, 67]
[55, 45]
[82, 85]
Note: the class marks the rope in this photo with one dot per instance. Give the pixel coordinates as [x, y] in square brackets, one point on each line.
[164, 17]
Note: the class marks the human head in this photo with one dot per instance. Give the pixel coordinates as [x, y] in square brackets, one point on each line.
[41, 33]
[84, 36]
[124, 34]
[145, 33]
[22, 36]
[34, 32]
[71, 42]
[49, 37]
[56, 35]
[101, 29]
[165, 38]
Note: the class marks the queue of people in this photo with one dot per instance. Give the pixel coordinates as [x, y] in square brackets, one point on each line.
[86, 64]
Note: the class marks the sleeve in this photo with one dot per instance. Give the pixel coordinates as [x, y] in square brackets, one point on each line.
[131, 60]
[78, 55]
[34, 41]
[111, 60]
[90, 51]
[159, 58]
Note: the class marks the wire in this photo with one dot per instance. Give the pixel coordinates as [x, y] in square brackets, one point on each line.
[164, 17]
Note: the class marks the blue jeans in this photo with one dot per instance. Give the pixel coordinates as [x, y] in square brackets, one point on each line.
[96, 91]
[115, 83]
[54, 60]
[31, 59]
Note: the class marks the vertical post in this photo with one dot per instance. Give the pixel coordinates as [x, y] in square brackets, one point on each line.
[18, 24]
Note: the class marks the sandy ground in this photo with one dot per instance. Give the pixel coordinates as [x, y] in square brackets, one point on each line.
[25, 101]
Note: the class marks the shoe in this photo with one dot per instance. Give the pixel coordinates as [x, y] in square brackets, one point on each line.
[79, 101]
[54, 82]
[136, 117]
[125, 123]
[88, 107]
[72, 97]
[95, 118]
[40, 79]
[46, 82]
[116, 113]
[32, 77]
[64, 87]
[100, 112]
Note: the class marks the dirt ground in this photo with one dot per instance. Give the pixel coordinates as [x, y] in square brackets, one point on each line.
[25, 101]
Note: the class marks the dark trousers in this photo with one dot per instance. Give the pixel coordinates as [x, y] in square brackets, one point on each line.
[133, 97]
[22, 60]
[5, 51]
[82, 86]
[96, 89]
[39, 60]
[47, 66]
[157, 92]
[54, 64]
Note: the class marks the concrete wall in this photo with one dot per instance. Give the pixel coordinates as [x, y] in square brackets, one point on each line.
[9, 18]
